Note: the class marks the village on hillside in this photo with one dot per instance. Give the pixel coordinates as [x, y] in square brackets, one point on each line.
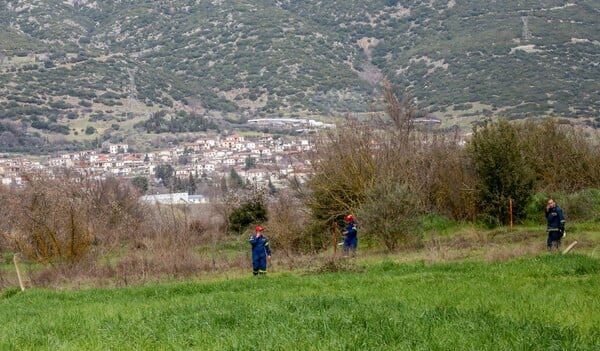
[260, 161]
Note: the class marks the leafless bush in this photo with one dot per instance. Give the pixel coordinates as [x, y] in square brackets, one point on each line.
[562, 156]
[67, 216]
[197, 228]
[390, 213]
[166, 221]
[115, 212]
[400, 110]
[336, 265]
[343, 168]
[106, 235]
[352, 160]
[286, 224]
[48, 220]
[443, 178]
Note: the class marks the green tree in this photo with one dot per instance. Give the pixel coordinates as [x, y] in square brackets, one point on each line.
[165, 174]
[141, 183]
[502, 173]
[236, 179]
[250, 162]
[253, 211]
[191, 185]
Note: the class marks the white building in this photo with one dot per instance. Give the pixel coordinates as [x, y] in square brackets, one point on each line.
[173, 199]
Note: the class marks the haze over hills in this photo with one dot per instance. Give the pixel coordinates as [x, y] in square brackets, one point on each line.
[90, 70]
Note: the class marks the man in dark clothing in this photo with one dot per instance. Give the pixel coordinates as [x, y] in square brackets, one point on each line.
[351, 239]
[261, 252]
[556, 224]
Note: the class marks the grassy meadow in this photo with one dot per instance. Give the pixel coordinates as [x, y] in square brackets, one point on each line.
[541, 302]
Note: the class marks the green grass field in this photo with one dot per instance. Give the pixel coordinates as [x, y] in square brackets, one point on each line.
[544, 302]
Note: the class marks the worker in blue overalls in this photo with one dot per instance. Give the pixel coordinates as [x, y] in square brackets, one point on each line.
[261, 252]
[350, 239]
[556, 224]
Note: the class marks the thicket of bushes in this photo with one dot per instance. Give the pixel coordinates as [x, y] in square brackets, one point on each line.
[406, 175]
[80, 227]
[396, 178]
[391, 173]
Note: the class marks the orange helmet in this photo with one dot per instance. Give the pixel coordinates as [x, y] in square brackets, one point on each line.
[259, 228]
[349, 218]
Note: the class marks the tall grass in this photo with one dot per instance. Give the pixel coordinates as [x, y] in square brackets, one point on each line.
[548, 302]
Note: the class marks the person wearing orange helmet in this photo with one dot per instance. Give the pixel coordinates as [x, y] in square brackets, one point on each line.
[261, 252]
[351, 238]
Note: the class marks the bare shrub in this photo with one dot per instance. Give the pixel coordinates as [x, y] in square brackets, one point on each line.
[197, 228]
[219, 213]
[336, 265]
[134, 269]
[350, 160]
[126, 242]
[48, 220]
[444, 178]
[85, 273]
[286, 225]
[400, 110]
[343, 168]
[165, 222]
[390, 213]
[115, 212]
[62, 217]
[562, 156]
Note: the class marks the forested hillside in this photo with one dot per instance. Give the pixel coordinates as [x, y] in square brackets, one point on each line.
[111, 65]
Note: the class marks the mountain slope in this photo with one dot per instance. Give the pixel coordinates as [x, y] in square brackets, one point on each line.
[64, 61]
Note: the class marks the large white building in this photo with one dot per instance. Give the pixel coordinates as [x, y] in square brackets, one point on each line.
[173, 199]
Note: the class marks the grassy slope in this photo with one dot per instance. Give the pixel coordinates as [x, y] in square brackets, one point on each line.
[538, 303]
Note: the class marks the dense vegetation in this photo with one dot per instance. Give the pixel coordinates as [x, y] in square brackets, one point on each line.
[397, 185]
[390, 172]
[129, 60]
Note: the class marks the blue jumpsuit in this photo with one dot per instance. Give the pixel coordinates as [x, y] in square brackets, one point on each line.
[351, 239]
[260, 251]
[556, 226]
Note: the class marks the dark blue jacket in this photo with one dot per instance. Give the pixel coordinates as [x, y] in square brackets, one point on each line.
[351, 230]
[556, 219]
[260, 246]
[351, 239]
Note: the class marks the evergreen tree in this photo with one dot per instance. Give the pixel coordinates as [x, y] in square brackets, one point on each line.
[501, 170]
[236, 179]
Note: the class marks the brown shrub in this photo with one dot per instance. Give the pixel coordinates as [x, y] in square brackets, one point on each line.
[48, 220]
[285, 227]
